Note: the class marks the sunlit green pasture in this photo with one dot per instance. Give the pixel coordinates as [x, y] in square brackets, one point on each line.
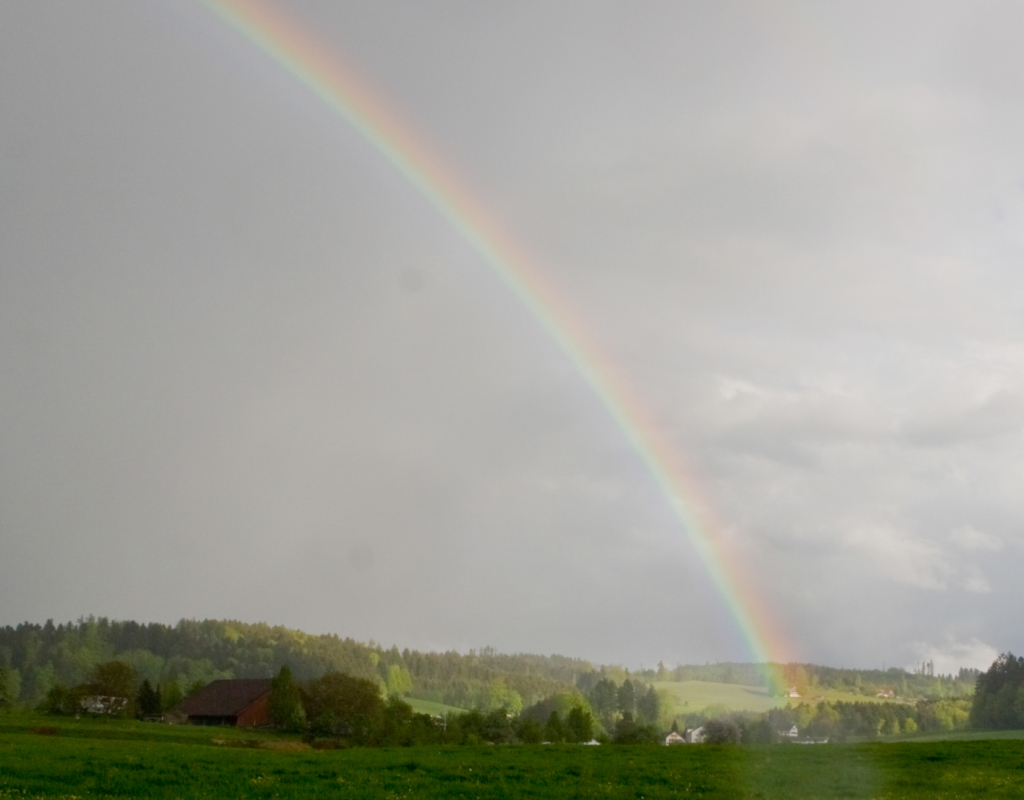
[84, 761]
[432, 708]
[689, 697]
[100, 728]
[958, 736]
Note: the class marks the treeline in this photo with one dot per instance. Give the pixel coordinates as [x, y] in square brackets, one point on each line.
[361, 711]
[34, 658]
[349, 710]
[346, 710]
[839, 721]
[999, 695]
[358, 710]
[342, 710]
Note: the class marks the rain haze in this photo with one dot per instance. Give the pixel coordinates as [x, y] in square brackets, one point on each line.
[248, 370]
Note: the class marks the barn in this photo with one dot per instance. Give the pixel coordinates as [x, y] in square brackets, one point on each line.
[243, 703]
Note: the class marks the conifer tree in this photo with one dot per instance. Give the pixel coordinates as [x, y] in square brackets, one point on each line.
[649, 706]
[149, 700]
[553, 730]
[286, 710]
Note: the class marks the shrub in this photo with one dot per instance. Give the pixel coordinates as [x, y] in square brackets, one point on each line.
[721, 731]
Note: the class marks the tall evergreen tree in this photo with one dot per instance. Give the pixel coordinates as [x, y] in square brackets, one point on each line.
[603, 697]
[649, 706]
[626, 697]
[554, 732]
[149, 700]
[286, 703]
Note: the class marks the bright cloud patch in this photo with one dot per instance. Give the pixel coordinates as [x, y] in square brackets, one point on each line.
[951, 655]
[975, 581]
[914, 562]
[974, 540]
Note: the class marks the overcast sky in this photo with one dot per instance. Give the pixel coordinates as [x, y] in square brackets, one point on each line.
[247, 371]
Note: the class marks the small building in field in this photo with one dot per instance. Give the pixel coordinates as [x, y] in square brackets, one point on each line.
[887, 693]
[103, 704]
[792, 733]
[695, 736]
[674, 738]
[243, 703]
[792, 692]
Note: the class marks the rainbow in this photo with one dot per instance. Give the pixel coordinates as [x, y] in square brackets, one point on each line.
[322, 74]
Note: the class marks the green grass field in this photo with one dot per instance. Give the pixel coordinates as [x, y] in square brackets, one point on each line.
[958, 736]
[432, 708]
[689, 697]
[129, 759]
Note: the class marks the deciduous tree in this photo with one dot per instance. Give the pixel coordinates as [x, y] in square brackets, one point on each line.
[340, 705]
[721, 731]
[579, 725]
[114, 687]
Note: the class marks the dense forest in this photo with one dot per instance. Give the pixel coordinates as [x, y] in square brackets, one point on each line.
[511, 698]
[999, 696]
[34, 658]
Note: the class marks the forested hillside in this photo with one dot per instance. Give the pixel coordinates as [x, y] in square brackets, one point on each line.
[34, 658]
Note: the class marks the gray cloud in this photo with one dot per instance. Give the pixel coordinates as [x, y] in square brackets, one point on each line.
[248, 371]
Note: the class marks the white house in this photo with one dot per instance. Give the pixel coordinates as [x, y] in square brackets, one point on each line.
[695, 736]
[103, 704]
[674, 738]
[792, 733]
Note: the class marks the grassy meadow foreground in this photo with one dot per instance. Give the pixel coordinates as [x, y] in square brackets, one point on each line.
[46, 758]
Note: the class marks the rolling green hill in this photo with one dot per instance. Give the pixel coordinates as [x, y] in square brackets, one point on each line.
[691, 697]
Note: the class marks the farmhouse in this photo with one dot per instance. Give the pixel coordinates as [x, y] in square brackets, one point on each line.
[695, 736]
[674, 738]
[242, 703]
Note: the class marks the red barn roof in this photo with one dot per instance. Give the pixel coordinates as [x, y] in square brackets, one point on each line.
[224, 698]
